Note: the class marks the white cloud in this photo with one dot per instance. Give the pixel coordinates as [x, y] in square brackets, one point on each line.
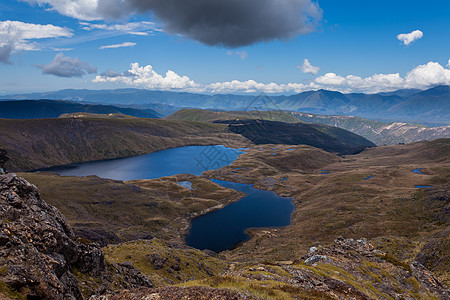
[135, 28]
[448, 65]
[146, 77]
[330, 79]
[373, 84]
[428, 75]
[19, 36]
[408, 38]
[63, 66]
[241, 54]
[125, 44]
[79, 9]
[308, 68]
[28, 31]
[423, 76]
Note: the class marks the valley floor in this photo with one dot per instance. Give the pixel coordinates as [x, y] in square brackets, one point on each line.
[370, 195]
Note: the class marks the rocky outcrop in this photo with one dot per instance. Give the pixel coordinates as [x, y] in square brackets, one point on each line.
[369, 273]
[3, 159]
[40, 256]
[346, 269]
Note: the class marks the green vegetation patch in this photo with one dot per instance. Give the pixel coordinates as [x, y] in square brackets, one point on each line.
[164, 263]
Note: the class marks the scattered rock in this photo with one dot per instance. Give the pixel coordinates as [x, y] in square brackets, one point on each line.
[170, 293]
[157, 261]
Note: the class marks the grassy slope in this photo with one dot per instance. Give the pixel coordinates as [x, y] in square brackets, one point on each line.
[200, 115]
[166, 263]
[399, 220]
[109, 211]
[42, 143]
[343, 203]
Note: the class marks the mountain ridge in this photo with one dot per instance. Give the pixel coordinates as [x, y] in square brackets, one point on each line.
[431, 105]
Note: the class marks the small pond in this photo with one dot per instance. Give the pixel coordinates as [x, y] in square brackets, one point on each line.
[417, 171]
[225, 228]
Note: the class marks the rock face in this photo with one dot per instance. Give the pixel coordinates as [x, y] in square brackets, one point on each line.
[39, 255]
[346, 269]
[3, 159]
[373, 270]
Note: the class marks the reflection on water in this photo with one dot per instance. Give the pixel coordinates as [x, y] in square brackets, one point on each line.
[225, 228]
[192, 160]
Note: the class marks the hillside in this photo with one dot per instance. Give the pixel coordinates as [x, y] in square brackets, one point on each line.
[41, 257]
[403, 226]
[375, 131]
[431, 106]
[40, 143]
[322, 136]
[201, 115]
[378, 132]
[370, 194]
[39, 109]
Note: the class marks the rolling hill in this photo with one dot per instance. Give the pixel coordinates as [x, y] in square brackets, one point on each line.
[40, 143]
[201, 115]
[330, 139]
[38, 109]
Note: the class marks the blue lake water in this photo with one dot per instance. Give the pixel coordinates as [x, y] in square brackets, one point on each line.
[186, 184]
[217, 231]
[417, 171]
[183, 160]
[225, 228]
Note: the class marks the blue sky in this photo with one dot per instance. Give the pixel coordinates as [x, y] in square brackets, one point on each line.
[350, 46]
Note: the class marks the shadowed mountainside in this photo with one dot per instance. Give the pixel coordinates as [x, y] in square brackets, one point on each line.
[330, 139]
[40, 109]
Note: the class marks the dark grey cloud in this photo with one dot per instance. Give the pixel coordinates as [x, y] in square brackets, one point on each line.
[5, 53]
[64, 66]
[228, 23]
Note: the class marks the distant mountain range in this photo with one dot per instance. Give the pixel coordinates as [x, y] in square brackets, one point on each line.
[378, 132]
[431, 106]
